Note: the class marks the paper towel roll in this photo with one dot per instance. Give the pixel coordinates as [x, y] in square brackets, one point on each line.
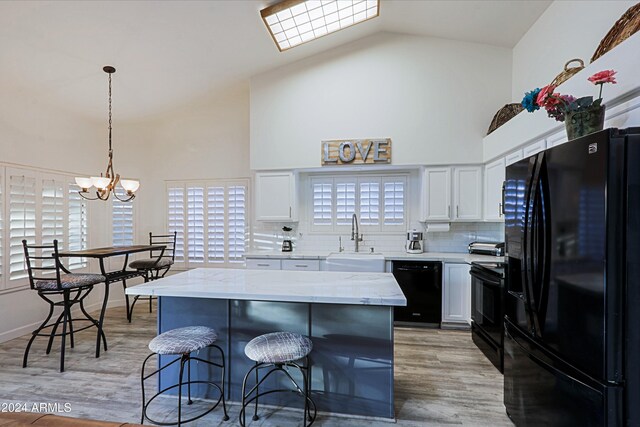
[440, 227]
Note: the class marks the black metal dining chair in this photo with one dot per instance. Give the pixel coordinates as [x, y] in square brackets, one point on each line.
[52, 280]
[156, 266]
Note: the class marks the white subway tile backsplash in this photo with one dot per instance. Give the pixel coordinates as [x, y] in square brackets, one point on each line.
[269, 237]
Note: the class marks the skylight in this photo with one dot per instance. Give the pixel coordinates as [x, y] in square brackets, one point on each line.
[293, 22]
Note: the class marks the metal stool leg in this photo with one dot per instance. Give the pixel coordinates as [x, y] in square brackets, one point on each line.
[255, 411]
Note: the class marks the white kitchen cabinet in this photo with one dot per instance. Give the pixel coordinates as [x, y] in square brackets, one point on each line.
[514, 157]
[456, 294]
[494, 175]
[301, 264]
[436, 191]
[534, 148]
[467, 193]
[263, 264]
[557, 139]
[444, 200]
[276, 196]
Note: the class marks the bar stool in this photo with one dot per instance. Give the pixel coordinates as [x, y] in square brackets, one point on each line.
[278, 350]
[182, 342]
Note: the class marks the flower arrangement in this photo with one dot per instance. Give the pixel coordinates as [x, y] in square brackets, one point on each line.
[558, 106]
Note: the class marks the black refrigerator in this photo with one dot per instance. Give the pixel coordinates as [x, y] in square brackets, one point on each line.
[572, 309]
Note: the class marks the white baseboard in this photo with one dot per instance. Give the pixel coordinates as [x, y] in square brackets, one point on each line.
[27, 329]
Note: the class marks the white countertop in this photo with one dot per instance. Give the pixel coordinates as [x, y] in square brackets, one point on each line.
[278, 285]
[460, 257]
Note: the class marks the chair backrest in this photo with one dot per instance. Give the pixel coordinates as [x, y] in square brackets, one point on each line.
[169, 240]
[42, 259]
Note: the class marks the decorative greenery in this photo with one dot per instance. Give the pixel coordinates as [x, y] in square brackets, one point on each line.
[558, 106]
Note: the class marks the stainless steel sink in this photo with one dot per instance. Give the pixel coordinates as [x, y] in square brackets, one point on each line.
[356, 261]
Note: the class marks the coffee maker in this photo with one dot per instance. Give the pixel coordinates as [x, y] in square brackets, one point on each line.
[414, 242]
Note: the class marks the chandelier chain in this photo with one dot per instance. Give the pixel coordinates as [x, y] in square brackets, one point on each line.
[110, 113]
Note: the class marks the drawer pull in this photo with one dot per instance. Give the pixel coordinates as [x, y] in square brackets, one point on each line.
[264, 265]
[302, 265]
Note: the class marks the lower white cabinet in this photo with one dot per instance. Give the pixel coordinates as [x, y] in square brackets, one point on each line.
[301, 264]
[456, 294]
[263, 264]
[283, 264]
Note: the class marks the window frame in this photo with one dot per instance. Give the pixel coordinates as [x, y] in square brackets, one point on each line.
[206, 185]
[61, 221]
[361, 178]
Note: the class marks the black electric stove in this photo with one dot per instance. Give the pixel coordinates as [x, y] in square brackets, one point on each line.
[487, 309]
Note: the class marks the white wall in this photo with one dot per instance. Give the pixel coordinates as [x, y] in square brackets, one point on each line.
[433, 97]
[566, 30]
[205, 141]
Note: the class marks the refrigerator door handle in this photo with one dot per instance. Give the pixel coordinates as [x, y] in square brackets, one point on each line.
[527, 247]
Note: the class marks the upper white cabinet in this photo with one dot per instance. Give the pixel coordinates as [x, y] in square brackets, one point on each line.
[557, 139]
[514, 157]
[494, 175]
[276, 197]
[452, 194]
[436, 191]
[467, 193]
[534, 148]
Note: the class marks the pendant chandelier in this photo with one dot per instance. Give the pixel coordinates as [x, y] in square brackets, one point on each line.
[105, 185]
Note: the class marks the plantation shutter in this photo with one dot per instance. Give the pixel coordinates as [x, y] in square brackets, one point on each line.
[369, 203]
[237, 222]
[322, 202]
[52, 215]
[394, 202]
[345, 202]
[176, 219]
[195, 224]
[78, 222]
[215, 224]
[122, 220]
[22, 222]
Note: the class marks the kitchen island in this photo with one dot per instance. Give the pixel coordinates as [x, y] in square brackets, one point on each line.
[348, 316]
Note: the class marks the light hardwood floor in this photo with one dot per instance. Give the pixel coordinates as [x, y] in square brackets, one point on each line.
[441, 378]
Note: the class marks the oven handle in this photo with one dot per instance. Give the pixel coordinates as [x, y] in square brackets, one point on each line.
[487, 280]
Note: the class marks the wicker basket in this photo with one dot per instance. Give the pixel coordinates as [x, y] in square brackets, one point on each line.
[503, 115]
[624, 27]
[567, 72]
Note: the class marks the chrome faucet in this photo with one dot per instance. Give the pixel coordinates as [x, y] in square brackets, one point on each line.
[355, 232]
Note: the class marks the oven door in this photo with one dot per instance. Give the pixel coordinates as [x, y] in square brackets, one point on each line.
[486, 303]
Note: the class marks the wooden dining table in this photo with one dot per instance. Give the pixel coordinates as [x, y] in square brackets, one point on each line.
[118, 275]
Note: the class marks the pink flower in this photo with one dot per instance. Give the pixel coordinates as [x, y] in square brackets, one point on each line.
[606, 76]
[545, 92]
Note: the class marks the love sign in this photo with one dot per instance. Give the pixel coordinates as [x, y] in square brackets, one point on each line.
[356, 152]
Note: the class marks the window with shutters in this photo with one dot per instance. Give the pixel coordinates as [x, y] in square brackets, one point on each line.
[78, 223]
[210, 219]
[378, 200]
[52, 219]
[22, 222]
[40, 207]
[122, 220]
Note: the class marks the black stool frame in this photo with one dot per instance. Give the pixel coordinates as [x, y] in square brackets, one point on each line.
[154, 272]
[70, 297]
[278, 367]
[184, 359]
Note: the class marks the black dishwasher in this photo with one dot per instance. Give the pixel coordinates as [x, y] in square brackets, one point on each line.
[421, 283]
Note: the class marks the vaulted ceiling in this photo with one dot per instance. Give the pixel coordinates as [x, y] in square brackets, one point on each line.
[174, 53]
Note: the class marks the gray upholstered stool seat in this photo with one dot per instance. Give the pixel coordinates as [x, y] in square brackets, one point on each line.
[183, 340]
[70, 281]
[141, 264]
[278, 347]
